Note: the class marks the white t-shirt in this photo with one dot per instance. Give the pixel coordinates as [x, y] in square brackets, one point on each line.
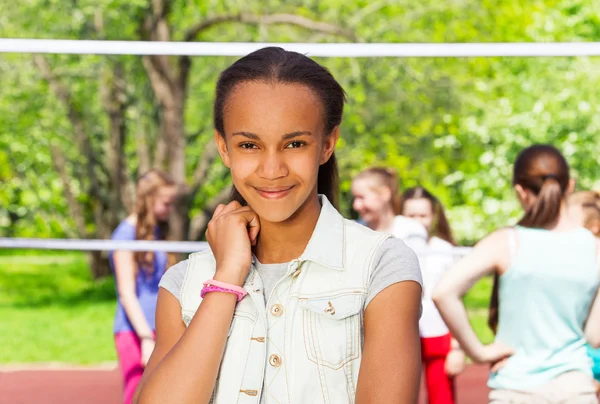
[411, 232]
[433, 267]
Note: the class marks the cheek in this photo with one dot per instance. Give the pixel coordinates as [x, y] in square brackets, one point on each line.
[374, 201]
[242, 167]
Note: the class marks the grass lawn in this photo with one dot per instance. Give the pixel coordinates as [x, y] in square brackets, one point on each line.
[52, 311]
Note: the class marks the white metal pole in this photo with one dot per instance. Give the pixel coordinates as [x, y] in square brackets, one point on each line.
[522, 49]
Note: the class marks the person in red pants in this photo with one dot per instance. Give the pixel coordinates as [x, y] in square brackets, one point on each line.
[442, 357]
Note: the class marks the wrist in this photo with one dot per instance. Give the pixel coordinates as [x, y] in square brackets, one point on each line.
[477, 354]
[233, 279]
[146, 337]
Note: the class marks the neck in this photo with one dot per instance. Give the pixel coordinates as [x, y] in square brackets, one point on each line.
[384, 222]
[564, 222]
[285, 241]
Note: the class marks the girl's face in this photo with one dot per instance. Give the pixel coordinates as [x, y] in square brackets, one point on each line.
[274, 144]
[419, 209]
[370, 199]
[163, 203]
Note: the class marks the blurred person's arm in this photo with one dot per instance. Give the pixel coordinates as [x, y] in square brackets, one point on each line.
[125, 273]
[487, 257]
[592, 326]
[184, 365]
[390, 370]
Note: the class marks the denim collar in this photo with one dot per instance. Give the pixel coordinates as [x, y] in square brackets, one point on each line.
[326, 245]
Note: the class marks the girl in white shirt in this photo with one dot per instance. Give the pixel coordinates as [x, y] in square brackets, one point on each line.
[442, 357]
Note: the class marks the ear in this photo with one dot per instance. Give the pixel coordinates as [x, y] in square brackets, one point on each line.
[520, 191]
[329, 145]
[222, 148]
[571, 186]
[385, 193]
[521, 194]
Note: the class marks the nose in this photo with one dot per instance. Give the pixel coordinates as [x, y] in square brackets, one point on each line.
[357, 205]
[272, 166]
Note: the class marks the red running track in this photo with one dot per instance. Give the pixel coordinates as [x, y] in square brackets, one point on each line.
[98, 386]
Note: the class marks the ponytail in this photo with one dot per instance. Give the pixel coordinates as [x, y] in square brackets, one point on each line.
[547, 206]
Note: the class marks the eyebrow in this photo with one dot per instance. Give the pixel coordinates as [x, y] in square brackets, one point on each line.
[287, 136]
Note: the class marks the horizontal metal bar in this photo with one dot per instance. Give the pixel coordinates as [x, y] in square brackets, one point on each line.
[508, 49]
[170, 246]
[102, 245]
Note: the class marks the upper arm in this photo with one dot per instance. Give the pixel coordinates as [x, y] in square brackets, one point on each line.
[489, 255]
[390, 367]
[169, 329]
[125, 271]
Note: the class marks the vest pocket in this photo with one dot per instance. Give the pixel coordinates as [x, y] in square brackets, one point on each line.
[331, 326]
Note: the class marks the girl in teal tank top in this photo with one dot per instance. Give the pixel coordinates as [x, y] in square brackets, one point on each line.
[546, 278]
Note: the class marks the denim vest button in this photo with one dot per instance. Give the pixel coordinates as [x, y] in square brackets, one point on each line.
[275, 360]
[276, 310]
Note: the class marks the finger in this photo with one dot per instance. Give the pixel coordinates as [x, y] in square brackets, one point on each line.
[231, 206]
[498, 365]
[253, 233]
[218, 211]
[251, 221]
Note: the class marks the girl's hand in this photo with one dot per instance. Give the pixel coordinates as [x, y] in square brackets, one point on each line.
[147, 348]
[455, 362]
[231, 233]
[495, 354]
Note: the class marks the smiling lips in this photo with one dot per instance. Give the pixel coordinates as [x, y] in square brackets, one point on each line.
[274, 192]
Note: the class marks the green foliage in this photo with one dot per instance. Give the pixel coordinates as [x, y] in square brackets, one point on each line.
[453, 125]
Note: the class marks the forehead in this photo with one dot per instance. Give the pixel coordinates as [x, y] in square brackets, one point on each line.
[167, 192]
[417, 205]
[363, 184]
[278, 108]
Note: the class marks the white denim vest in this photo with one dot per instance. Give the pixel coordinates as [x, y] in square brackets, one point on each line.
[305, 344]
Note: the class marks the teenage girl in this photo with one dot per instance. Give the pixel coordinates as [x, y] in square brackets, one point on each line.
[377, 200]
[442, 357]
[137, 276]
[547, 278]
[293, 299]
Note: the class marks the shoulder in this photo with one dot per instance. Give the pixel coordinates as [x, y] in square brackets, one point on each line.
[500, 236]
[131, 219]
[497, 249]
[395, 252]
[394, 262]
[124, 231]
[172, 280]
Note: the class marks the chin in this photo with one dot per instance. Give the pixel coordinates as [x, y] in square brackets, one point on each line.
[275, 211]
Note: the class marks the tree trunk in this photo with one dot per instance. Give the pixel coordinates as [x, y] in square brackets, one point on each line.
[99, 264]
[175, 136]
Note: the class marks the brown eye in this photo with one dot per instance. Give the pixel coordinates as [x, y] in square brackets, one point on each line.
[296, 144]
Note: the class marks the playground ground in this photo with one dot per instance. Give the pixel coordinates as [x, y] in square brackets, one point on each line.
[54, 384]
